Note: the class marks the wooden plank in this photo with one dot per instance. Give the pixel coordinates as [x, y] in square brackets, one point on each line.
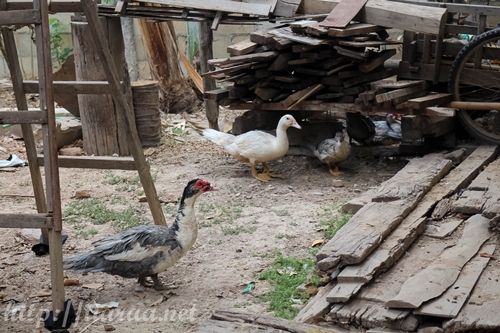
[394, 84]
[434, 111]
[216, 21]
[23, 117]
[286, 8]
[351, 54]
[443, 228]
[260, 37]
[268, 321]
[433, 280]
[449, 304]
[300, 95]
[343, 13]
[241, 48]
[372, 314]
[373, 76]
[354, 29]
[20, 17]
[483, 194]
[94, 162]
[393, 14]
[71, 87]
[371, 64]
[316, 306]
[231, 69]
[219, 5]
[429, 100]
[35, 221]
[398, 93]
[55, 6]
[343, 291]
[394, 200]
[252, 57]
[287, 33]
[369, 43]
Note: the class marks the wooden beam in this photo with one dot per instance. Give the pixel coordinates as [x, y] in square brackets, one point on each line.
[417, 18]
[20, 17]
[244, 47]
[95, 162]
[421, 103]
[55, 6]
[35, 221]
[219, 5]
[23, 117]
[474, 105]
[71, 87]
[343, 14]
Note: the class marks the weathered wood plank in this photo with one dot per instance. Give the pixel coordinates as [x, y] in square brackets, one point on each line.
[396, 199]
[241, 48]
[286, 8]
[414, 224]
[94, 162]
[23, 117]
[36, 221]
[443, 228]
[449, 304]
[371, 64]
[372, 314]
[421, 103]
[219, 5]
[398, 93]
[353, 205]
[316, 306]
[287, 33]
[432, 281]
[343, 291]
[397, 15]
[342, 14]
[253, 57]
[354, 29]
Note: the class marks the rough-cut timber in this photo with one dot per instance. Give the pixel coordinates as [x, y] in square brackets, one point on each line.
[343, 13]
[393, 14]
[483, 194]
[316, 307]
[443, 272]
[395, 200]
[372, 314]
[443, 228]
[449, 304]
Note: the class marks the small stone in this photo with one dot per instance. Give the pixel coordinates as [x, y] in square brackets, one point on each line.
[338, 183]
[239, 250]
[109, 327]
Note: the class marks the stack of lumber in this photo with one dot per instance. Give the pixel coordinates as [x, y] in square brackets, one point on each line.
[220, 11]
[304, 61]
[418, 250]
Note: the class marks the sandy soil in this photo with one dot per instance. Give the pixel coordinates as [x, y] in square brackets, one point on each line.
[242, 228]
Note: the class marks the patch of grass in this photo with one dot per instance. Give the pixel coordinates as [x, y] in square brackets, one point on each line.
[284, 236]
[332, 220]
[285, 275]
[220, 214]
[281, 212]
[96, 212]
[123, 183]
[238, 229]
[85, 232]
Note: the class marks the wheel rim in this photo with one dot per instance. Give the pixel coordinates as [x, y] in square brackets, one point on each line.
[480, 82]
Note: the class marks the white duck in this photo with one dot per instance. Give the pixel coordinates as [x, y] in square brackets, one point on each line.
[256, 146]
[333, 151]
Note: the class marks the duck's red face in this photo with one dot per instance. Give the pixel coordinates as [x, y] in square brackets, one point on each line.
[203, 185]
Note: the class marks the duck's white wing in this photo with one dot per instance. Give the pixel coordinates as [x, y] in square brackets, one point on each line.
[252, 143]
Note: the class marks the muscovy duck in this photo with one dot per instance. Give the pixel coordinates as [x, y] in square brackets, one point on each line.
[147, 250]
[333, 151]
[359, 127]
[256, 146]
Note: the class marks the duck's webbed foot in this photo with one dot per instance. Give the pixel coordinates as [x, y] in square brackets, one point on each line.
[263, 177]
[157, 284]
[269, 173]
[335, 172]
[143, 281]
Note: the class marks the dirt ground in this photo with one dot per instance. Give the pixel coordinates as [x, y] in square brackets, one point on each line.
[243, 226]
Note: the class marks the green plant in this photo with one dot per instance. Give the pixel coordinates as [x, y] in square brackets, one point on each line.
[281, 212]
[238, 229]
[58, 51]
[332, 220]
[285, 275]
[96, 212]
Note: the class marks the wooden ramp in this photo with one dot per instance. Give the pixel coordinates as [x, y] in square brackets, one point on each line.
[418, 250]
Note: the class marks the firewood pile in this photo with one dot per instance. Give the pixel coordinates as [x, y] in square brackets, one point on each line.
[304, 61]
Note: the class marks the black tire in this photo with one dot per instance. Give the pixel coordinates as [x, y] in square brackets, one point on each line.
[454, 77]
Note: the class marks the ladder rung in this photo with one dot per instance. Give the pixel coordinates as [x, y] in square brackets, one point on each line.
[25, 221]
[23, 117]
[94, 162]
[71, 87]
[20, 17]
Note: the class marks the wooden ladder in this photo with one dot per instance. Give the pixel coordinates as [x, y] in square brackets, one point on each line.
[48, 202]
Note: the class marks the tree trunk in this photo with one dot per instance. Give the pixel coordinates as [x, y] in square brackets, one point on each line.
[176, 95]
[101, 131]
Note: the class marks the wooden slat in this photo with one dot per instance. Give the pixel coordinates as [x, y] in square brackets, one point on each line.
[316, 306]
[94, 162]
[443, 228]
[394, 200]
[286, 8]
[433, 280]
[343, 13]
[71, 87]
[23, 117]
[35, 221]
[354, 29]
[421, 103]
[253, 57]
[287, 33]
[450, 303]
[219, 5]
[241, 48]
[398, 93]
[20, 17]
[55, 6]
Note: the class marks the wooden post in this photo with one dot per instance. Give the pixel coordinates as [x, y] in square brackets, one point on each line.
[101, 134]
[206, 53]
[90, 9]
